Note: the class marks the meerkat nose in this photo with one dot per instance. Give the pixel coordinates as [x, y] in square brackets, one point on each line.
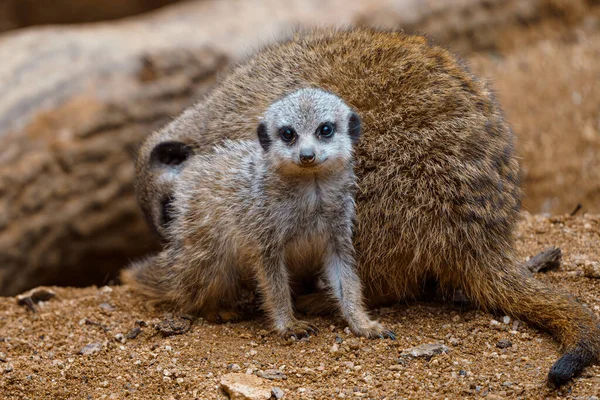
[307, 156]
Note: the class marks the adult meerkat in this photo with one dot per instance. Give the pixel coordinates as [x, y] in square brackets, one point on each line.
[439, 193]
[276, 211]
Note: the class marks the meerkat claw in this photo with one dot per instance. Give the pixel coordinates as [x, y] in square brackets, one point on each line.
[300, 330]
[388, 334]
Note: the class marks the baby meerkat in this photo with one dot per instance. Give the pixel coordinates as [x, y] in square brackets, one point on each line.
[276, 209]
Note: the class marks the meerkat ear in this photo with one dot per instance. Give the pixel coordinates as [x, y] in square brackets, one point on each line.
[170, 153]
[263, 136]
[354, 127]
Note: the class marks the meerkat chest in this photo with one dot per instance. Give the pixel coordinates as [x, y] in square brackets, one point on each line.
[316, 200]
[312, 221]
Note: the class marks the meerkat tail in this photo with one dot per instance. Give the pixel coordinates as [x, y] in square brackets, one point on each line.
[148, 277]
[511, 291]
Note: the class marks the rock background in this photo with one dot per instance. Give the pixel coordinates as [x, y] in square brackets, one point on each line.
[75, 101]
[20, 13]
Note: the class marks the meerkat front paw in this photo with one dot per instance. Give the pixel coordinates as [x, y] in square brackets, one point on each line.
[374, 330]
[299, 330]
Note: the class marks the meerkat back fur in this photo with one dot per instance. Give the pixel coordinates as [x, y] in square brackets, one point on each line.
[275, 211]
[439, 192]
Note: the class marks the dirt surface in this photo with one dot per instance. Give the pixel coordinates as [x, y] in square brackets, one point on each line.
[40, 351]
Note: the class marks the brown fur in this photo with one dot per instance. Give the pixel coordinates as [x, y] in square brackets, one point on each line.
[439, 189]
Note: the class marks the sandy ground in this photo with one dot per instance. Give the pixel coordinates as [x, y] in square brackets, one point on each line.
[40, 351]
[550, 90]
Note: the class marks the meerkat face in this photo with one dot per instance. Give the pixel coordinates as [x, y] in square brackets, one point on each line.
[309, 131]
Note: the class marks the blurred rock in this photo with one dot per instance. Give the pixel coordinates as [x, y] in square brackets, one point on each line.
[77, 100]
[20, 13]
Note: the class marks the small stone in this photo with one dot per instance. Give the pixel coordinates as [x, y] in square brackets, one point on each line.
[507, 384]
[91, 349]
[174, 326]
[32, 297]
[462, 372]
[338, 340]
[2, 357]
[234, 367]
[119, 337]
[515, 326]
[547, 260]
[495, 324]
[166, 372]
[456, 318]
[245, 387]
[396, 367]
[272, 374]
[104, 384]
[8, 368]
[506, 320]
[426, 351]
[335, 348]
[353, 343]
[133, 333]
[277, 393]
[504, 344]
[591, 270]
[107, 307]
[253, 352]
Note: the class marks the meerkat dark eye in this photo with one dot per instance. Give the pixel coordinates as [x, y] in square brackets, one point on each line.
[287, 134]
[326, 130]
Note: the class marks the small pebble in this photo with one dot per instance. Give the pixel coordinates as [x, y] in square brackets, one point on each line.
[591, 270]
[272, 374]
[107, 307]
[91, 348]
[353, 343]
[426, 351]
[506, 319]
[504, 343]
[277, 392]
[234, 367]
[134, 333]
